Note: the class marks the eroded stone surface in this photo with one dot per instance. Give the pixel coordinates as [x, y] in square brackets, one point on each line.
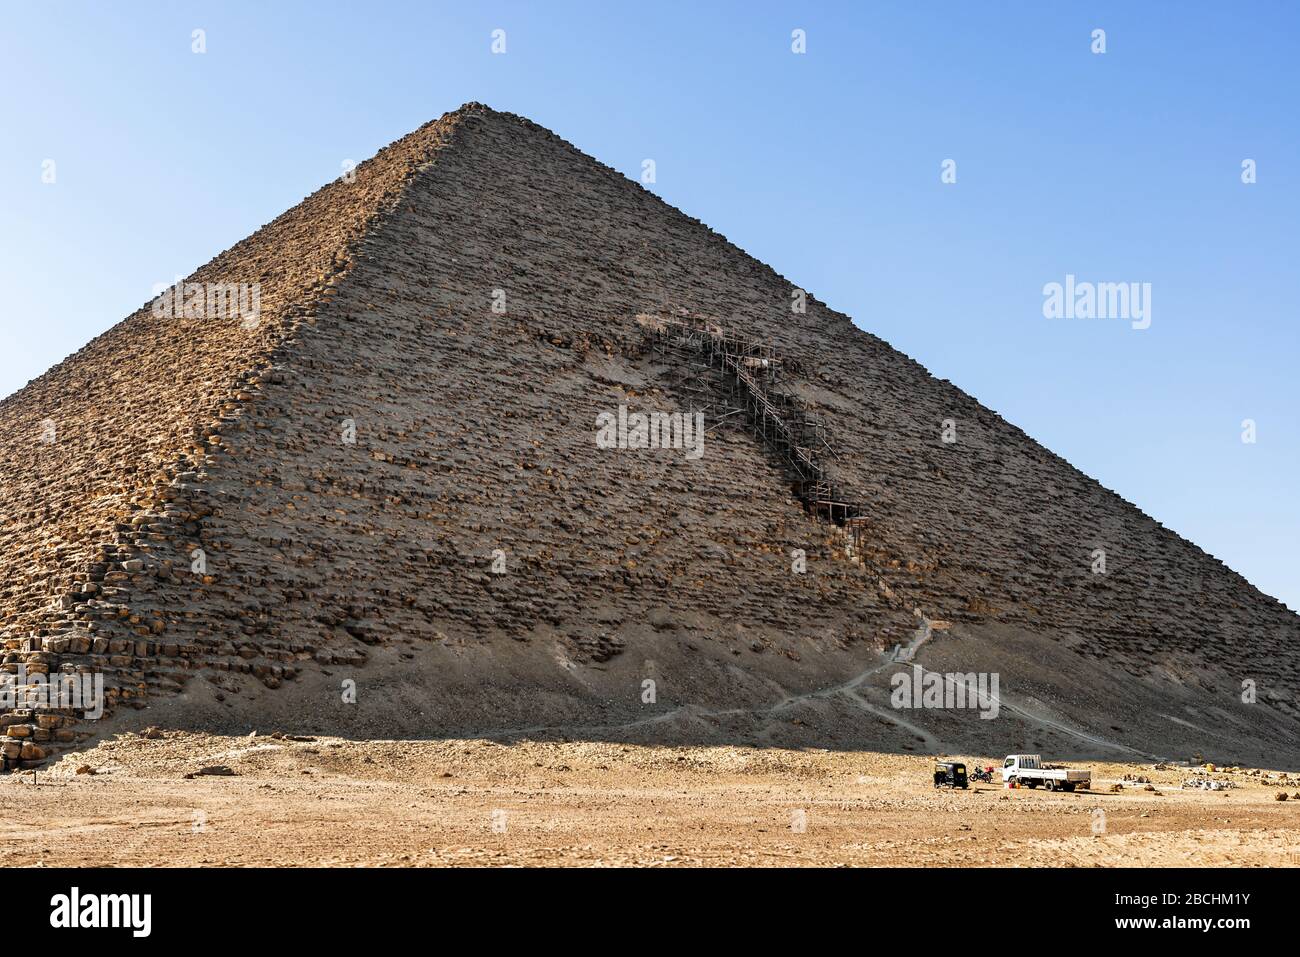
[474, 436]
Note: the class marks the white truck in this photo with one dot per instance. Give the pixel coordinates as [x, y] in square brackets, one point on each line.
[1028, 770]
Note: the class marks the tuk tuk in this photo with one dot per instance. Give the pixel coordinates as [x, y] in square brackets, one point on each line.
[951, 774]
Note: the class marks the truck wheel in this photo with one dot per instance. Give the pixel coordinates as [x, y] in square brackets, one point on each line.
[1050, 785]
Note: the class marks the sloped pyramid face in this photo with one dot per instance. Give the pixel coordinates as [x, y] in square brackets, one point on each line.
[381, 506]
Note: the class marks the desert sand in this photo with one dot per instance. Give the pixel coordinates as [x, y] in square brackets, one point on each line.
[139, 799]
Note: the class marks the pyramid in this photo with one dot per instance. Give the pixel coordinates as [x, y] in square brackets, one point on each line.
[379, 506]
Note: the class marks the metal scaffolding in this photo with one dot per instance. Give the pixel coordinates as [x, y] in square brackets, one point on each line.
[726, 375]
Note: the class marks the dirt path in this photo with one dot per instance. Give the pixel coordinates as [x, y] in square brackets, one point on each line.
[847, 689]
[337, 802]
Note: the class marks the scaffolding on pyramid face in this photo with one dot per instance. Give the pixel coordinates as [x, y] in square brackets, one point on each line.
[725, 375]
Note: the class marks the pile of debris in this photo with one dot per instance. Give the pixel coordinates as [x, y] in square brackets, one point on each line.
[1207, 784]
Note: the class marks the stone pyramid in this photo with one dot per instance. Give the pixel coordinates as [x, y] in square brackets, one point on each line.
[376, 504]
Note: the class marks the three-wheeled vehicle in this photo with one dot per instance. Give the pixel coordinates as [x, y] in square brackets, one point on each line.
[950, 774]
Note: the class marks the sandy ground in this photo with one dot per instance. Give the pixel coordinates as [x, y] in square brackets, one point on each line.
[334, 802]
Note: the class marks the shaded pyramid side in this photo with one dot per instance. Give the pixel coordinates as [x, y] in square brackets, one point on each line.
[475, 436]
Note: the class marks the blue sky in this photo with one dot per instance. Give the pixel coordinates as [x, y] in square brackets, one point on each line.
[1118, 167]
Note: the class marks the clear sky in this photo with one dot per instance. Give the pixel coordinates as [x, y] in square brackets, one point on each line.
[1123, 166]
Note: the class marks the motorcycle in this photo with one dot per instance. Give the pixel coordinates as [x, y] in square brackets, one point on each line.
[982, 774]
